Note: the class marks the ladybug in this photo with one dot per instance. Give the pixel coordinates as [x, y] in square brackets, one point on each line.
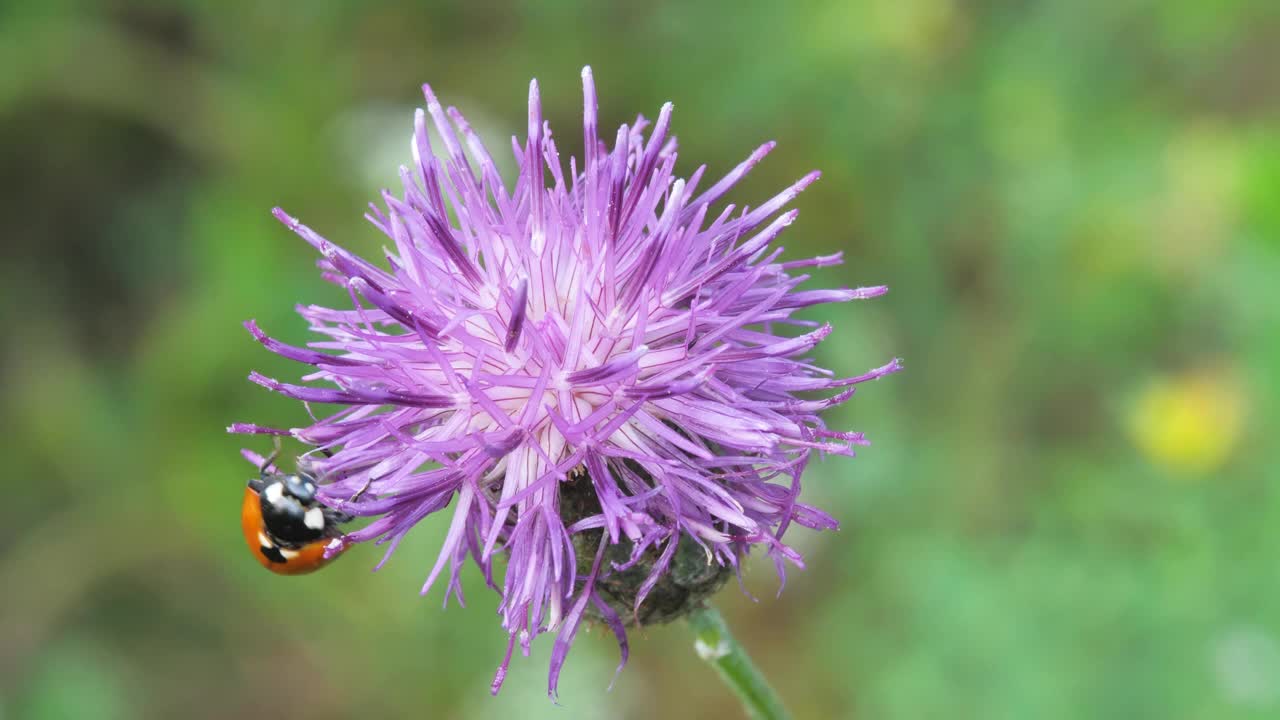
[286, 527]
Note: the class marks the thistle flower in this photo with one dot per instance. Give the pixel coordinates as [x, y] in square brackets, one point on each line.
[593, 372]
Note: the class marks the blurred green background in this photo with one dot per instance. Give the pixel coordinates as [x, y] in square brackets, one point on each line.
[1070, 508]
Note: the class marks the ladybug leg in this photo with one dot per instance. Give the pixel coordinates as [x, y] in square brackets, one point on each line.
[342, 517]
[361, 491]
[338, 517]
[329, 453]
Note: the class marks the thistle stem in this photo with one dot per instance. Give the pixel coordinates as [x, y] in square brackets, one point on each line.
[715, 644]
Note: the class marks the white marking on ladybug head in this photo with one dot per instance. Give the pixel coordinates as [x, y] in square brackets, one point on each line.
[314, 519]
[264, 541]
[288, 554]
[274, 492]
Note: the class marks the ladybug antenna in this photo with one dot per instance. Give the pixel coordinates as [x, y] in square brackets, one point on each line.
[266, 462]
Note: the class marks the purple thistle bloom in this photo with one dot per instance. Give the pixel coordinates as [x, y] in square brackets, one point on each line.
[603, 329]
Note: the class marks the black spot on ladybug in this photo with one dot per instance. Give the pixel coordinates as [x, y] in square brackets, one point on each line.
[272, 553]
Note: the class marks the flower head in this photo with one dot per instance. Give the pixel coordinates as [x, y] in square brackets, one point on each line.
[587, 370]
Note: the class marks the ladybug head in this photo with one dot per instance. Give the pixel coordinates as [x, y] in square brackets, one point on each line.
[290, 511]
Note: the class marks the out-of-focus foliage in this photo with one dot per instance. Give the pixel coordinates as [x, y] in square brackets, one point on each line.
[1071, 507]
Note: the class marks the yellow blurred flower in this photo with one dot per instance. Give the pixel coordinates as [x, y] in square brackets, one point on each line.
[1189, 423]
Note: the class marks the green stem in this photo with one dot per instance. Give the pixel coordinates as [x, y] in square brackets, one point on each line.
[716, 645]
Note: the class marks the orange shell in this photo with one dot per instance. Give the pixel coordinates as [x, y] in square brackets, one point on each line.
[309, 557]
